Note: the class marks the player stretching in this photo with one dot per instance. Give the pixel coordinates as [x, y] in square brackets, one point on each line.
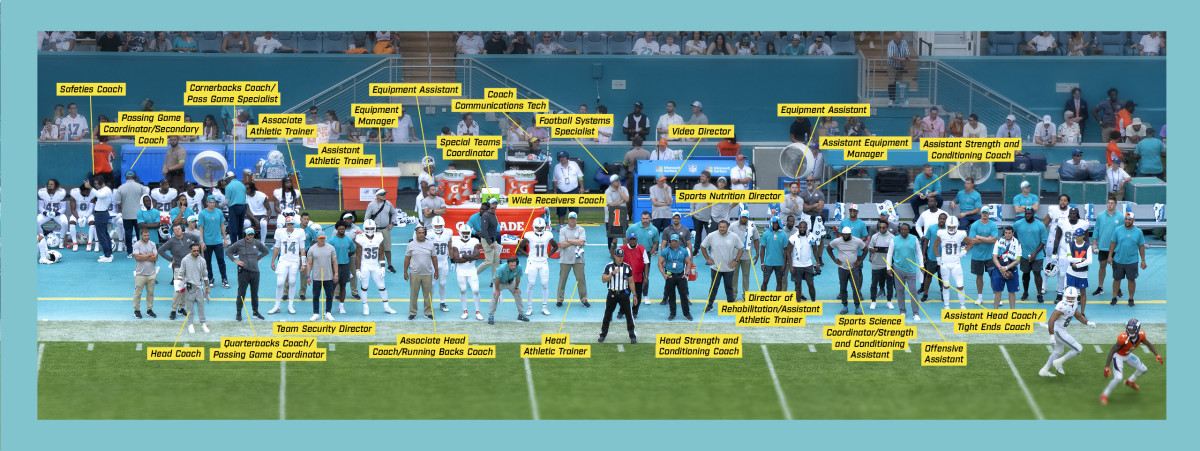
[949, 245]
[464, 250]
[369, 268]
[1058, 322]
[537, 244]
[441, 237]
[290, 241]
[1122, 354]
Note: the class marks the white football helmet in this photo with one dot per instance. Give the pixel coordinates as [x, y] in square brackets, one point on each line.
[952, 224]
[539, 225]
[369, 227]
[52, 240]
[438, 224]
[1071, 295]
[464, 231]
[1051, 270]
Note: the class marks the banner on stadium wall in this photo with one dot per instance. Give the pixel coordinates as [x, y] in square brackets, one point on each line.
[323, 132]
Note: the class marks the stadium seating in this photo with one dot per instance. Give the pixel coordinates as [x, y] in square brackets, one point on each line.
[287, 38]
[1113, 43]
[309, 42]
[367, 39]
[595, 43]
[842, 43]
[335, 42]
[620, 44]
[208, 41]
[1005, 43]
[571, 41]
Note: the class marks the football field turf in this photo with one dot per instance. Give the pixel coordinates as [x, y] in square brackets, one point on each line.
[113, 380]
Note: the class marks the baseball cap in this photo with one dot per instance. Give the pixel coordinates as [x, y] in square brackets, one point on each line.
[847, 230]
[697, 104]
[572, 215]
[193, 218]
[987, 210]
[130, 174]
[744, 214]
[534, 139]
[210, 198]
[934, 108]
[613, 178]
[229, 175]
[250, 231]
[722, 179]
[381, 191]
[661, 178]
[853, 207]
[676, 215]
[796, 36]
[246, 171]
[674, 237]
[1077, 152]
[1024, 184]
[1010, 118]
[348, 216]
[562, 154]
[637, 104]
[1080, 232]
[1116, 161]
[493, 201]
[1130, 215]
[321, 234]
[740, 157]
[662, 141]
[1046, 119]
[1136, 121]
[632, 236]
[619, 252]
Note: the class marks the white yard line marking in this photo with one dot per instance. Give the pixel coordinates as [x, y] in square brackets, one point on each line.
[787, 413]
[332, 347]
[908, 349]
[91, 346]
[1028, 396]
[620, 348]
[139, 347]
[812, 348]
[1146, 351]
[41, 350]
[282, 388]
[532, 396]
[1098, 350]
[187, 345]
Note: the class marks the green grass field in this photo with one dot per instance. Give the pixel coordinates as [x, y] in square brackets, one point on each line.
[115, 381]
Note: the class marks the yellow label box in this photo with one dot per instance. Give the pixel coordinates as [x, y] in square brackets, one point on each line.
[701, 131]
[971, 149]
[415, 89]
[1014, 315]
[753, 196]
[944, 353]
[322, 328]
[282, 119]
[267, 342]
[698, 346]
[267, 355]
[149, 117]
[585, 131]
[170, 353]
[90, 89]
[348, 161]
[769, 320]
[869, 338]
[276, 131]
[869, 355]
[381, 110]
[330, 149]
[556, 200]
[824, 109]
[455, 352]
[500, 105]
[375, 121]
[484, 141]
[231, 93]
[573, 120]
[150, 140]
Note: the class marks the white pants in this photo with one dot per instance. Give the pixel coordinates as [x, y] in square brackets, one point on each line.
[80, 220]
[1063, 339]
[286, 274]
[61, 220]
[368, 273]
[118, 235]
[952, 275]
[1118, 366]
[541, 272]
[443, 276]
[467, 278]
[1063, 264]
[262, 226]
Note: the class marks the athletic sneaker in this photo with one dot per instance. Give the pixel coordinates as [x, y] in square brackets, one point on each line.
[412, 317]
[601, 339]
[301, 296]
[445, 308]
[558, 304]
[710, 307]
[75, 247]
[224, 284]
[1113, 301]
[291, 310]
[620, 316]
[1041, 299]
[1058, 298]
[890, 306]
[238, 318]
[844, 311]
[689, 317]
[366, 309]
[632, 340]
[916, 317]
[315, 317]
[857, 310]
[1058, 365]
[341, 307]
[428, 316]
[391, 269]
[585, 303]
[1099, 291]
[387, 309]
[478, 317]
[191, 329]
[465, 314]
[945, 303]
[671, 318]
[521, 317]
[1025, 296]
[529, 311]
[491, 320]
[137, 314]
[257, 316]
[1104, 399]
[205, 327]
[962, 306]
[547, 312]
[172, 316]
[1045, 373]
[872, 305]
[273, 311]
[1131, 302]
[1132, 385]
[1120, 293]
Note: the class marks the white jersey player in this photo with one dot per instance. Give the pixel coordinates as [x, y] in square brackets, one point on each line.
[1060, 318]
[287, 199]
[538, 245]
[949, 245]
[464, 250]
[369, 246]
[51, 207]
[47, 256]
[82, 199]
[287, 260]
[256, 205]
[163, 201]
[441, 237]
[194, 196]
[1063, 235]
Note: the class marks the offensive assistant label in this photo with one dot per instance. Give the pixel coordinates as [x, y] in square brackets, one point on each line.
[231, 93]
[171, 353]
[339, 155]
[430, 346]
[770, 309]
[941, 353]
[267, 349]
[321, 328]
[824, 109]
[90, 89]
[701, 131]
[556, 346]
[698, 346]
[1018, 321]
[415, 89]
[556, 200]
[470, 147]
[753, 196]
[869, 338]
[866, 147]
[971, 149]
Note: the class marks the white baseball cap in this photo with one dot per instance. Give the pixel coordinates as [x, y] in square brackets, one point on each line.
[1024, 184]
[1046, 119]
[1011, 118]
[697, 104]
[847, 230]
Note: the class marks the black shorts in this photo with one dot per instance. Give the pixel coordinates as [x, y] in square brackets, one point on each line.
[981, 267]
[1125, 271]
[1028, 265]
[1103, 257]
[805, 273]
[932, 266]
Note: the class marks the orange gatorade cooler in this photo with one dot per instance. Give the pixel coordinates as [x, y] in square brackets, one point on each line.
[456, 186]
[519, 182]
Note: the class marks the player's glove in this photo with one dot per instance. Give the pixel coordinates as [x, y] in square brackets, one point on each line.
[1159, 359]
[1107, 372]
[358, 274]
[1091, 324]
[1053, 341]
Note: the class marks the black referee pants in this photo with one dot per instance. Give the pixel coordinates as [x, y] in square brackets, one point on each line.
[616, 298]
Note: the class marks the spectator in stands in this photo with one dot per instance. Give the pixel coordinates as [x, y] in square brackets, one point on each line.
[1125, 117]
[268, 44]
[191, 138]
[446, 131]
[549, 46]
[662, 152]
[49, 130]
[1148, 154]
[636, 124]
[583, 108]
[62, 41]
[1044, 133]
[819, 47]
[796, 48]
[516, 133]
[1150, 44]
[236, 42]
[1081, 167]
[645, 46]
[698, 116]
[184, 43]
[770, 49]
[800, 130]
[134, 42]
[109, 42]
[635, 154]
[915, 129]
[99, 120]
[666, 121]
[1069, 131]
[669, 47]
[719, 46]
[1076, 45]
[335, 126]
[468, 126]
[160, 43]
[147, 105]
[211, 130]
[729, 147]
[925, 185]
[404, 131]
[1010, 129]
[603, 134]
[696, 45]
[59, 112]
[974, 128]
[469, 44]
[518, 46]
[897, 55]
[495, 45]
[74, 126]
[745, 46]
[933, 126]
[311, 118]
[856, 127]
[741, 176]
[1026, 200]
[1078, 107]
[955, 128]
[1106, 113]
[828, 127]
[1043, 44]
[537, 135]
[968, 202]
[1135, 131]
[1116, 177]
[1112, 151]
[43, 40]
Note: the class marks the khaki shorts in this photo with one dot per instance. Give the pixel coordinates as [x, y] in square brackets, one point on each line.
[387, 239]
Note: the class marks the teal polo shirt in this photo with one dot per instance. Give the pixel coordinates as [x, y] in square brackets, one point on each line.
[151, 215]
[773, 244]
[1021, 200]
[647, 236]
[676, 259]
[1128, 241]
[1030, 235]
[983, 251]
[904, 250]
[921, 180]
[342, 246]
[968, 202]
[931, 235]
[858, 228]
[211, 221]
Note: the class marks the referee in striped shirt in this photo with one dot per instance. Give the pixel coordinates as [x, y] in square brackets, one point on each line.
[619, 277]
